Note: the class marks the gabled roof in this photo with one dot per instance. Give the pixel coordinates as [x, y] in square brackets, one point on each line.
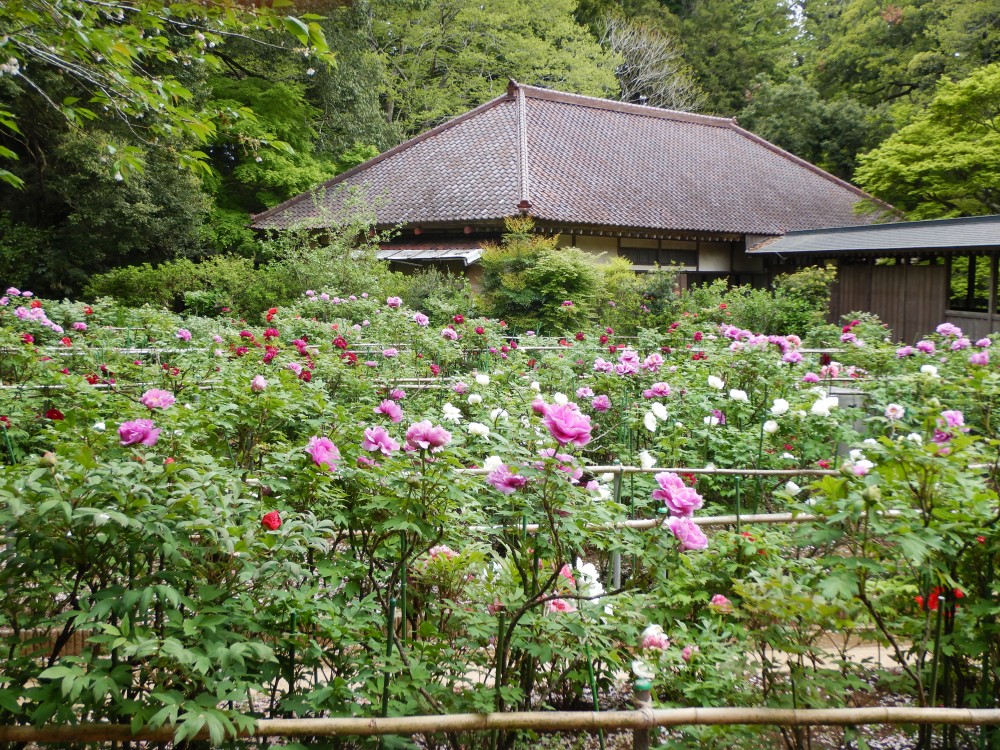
[574, 159]
[975, 232]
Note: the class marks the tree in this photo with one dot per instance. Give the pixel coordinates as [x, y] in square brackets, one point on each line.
[829, 134]
[652, 69]
[443, 57]
[92, 60]
[946, 163]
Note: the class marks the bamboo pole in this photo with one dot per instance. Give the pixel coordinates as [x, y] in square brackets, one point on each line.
[641, 524]
[615, 469]
[551, 721]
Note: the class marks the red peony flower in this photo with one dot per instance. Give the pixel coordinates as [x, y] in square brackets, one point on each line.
[54, 414]
[271, 520]
[580, 336]
[36, 303]
[66, 341]
[88, 311]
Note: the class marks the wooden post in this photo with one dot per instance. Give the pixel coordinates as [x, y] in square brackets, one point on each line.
[644, 703]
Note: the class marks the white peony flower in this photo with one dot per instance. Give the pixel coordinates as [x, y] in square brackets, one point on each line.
[478, 428]
[451, 413]
[895, 411]
[770, 427]
[791, 488]
[560, 398]
[499, 414]
[100, 427]
[475, 398]
[646, 460]
[711, 421]
[737, 395]
[780, 407]
[659, 410]
[535, 386]
[915, 437]
[483, 379]
[492, 463]
[649, 421]
[716, 383]
[929, 370]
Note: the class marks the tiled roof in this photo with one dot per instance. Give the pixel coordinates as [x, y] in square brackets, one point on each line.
[975, 232]
[575, 159]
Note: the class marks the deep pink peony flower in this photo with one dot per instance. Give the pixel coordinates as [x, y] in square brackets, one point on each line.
[324, 453]
[678, 497]
[559, 605]
[377, 439]
[601, 403]
[138, 431]
[391, 409]
[687, 533]
[720, 603]
[425, 436]
[567, 425]
[505, 480]
[156, 398]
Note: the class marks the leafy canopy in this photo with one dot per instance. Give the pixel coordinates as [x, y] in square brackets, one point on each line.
[947, 162]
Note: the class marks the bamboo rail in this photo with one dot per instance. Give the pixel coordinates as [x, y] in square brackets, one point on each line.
[550, 721]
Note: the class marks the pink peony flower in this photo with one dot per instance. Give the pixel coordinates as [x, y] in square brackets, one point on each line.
[156, 398]
[720, 603]
[393, 302]
[539, 406]
[657, 390]
[442, 552]
[377, 439]
[584, 392]
[559, 605]
[953, 418]
[324, 453]
[449, 334]
[391, 409]
[688, 652]
[653, 637]
[258, 384]
[505, 480]
[925, 346]
[979, 358]
[600, 403]
[397, 394]
[420, 319]
[183, 334]
[390, 352]
[983, 343]
[425, 436]
[567, 425]
[905, 351]
[687, 533]
[139, 431]
[810, 377]
[678, 497]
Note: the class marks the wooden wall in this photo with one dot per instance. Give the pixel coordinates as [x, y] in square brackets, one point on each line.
[911, 299]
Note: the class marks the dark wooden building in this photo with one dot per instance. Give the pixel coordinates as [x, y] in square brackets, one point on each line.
[614, 179]
[913, 275]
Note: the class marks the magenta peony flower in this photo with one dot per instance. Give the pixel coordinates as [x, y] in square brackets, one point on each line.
[324, 453]
[657, 390]
[183, 334]
[567, 425]
[139, 431]
[156, 398]
[391, 409]
[377, 439]
[425, 436]
[397, 394]
[505, 480]
[678, 497]
[687, 533]
[600, 403]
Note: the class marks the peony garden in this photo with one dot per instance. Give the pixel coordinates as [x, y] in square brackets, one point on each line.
[347, 507]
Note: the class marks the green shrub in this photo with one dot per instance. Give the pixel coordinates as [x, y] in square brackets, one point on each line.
[527, 280]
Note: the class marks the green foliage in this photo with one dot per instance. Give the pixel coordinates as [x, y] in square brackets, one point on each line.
[439, 294]
[131, 65]
[447, 56]
[829, 134]
[527, 280]
[946, 163]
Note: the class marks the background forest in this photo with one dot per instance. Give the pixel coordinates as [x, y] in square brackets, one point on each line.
[152, 140]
